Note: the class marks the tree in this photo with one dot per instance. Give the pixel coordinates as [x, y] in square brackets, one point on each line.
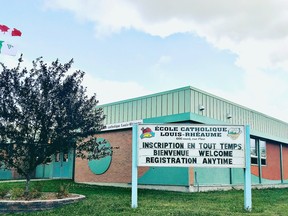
[43, 110]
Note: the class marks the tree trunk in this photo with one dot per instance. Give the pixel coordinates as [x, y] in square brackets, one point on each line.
[27, 186]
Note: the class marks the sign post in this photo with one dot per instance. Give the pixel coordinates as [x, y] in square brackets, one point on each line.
[134, 166]
[247, 173]
[185, 145]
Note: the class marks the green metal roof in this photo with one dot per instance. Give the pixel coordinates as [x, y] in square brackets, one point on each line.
[187, 101]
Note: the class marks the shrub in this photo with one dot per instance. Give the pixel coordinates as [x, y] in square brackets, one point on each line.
[33, 194]
[17, 193]
[63, 191]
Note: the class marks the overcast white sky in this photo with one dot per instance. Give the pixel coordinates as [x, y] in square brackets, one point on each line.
[128, 48]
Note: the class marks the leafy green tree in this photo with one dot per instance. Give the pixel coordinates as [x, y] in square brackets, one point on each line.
[44, 110]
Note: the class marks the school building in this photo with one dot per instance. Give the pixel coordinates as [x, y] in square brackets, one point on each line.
[269, 141]
[187, 105]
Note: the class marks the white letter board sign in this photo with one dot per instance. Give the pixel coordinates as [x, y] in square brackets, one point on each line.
[187, 145]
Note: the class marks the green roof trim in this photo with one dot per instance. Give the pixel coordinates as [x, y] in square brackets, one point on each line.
[145, 96]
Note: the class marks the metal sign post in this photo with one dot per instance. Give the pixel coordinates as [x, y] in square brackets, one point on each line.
[134, 166]
[247, 173]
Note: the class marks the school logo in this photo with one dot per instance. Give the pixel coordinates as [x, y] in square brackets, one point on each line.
[147, 133]
[100, 156]
[234, 133]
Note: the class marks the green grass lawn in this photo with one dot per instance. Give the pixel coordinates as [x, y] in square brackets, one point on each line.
[117, 201]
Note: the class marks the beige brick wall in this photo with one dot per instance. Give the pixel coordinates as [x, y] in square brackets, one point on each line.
[121, 164]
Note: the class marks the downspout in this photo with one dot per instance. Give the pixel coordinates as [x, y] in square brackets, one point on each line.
[281, 163]
[259, 160]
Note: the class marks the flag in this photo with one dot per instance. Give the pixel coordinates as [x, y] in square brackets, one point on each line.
[7, 48]
[5, 29]
[16, 32]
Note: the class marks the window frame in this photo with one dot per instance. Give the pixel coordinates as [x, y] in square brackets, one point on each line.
[259, 146]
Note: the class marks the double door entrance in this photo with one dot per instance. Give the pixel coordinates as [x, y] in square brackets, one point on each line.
[59, 166]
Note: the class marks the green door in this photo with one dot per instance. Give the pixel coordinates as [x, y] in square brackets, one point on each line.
[63, 165]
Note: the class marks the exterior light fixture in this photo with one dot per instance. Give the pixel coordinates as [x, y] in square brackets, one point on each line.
[229, 116]
[201, 107]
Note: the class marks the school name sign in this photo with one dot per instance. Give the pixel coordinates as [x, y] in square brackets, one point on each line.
[191, 145]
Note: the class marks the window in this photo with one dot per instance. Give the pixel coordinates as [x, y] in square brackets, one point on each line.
[253, 151]
[48, 160]
[57, 157]
[262, 145]
[258, 147]
[65, 156]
